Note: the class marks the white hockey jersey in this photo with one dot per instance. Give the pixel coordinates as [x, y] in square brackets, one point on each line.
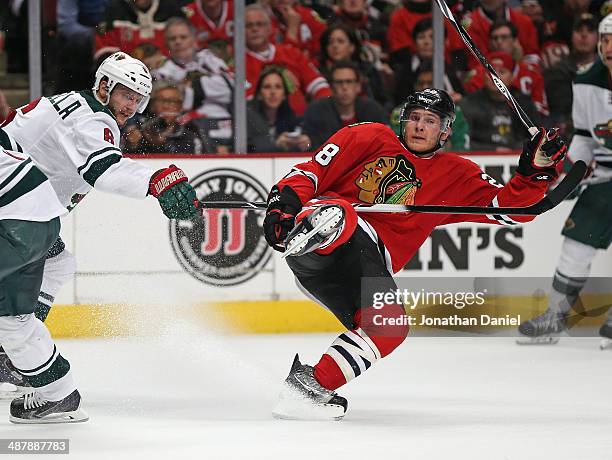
[74, 140]
[207, 83]
[592, 116]
[25, 192]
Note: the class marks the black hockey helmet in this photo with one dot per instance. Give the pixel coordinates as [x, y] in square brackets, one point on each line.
[434, 100]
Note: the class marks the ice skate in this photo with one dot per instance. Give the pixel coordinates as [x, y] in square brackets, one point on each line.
[316, 229]
[12, 383]
[605, 331]
[303, 398]
[543, 330]
[33, 408]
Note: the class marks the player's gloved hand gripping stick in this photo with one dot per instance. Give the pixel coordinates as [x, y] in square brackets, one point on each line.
[176, 197]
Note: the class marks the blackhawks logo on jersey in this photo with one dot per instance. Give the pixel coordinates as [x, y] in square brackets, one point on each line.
[388, 180]
[603, 132]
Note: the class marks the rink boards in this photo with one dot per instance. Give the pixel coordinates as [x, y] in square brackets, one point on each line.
[131, 260]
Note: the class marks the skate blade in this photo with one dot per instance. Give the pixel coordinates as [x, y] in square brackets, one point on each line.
[10, 391]
[304, 237]
[76, 416]
[605, 344]
[293, 406]
[305, 410]
[548, 340]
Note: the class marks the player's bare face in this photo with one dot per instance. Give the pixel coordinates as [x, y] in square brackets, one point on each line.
[123, 103]
[422, 130]
[181, 42]
[272, 92]
[339, 47]
[257, 26]
[606, 50]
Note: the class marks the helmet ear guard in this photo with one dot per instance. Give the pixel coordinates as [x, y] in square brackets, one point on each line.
[121, 68]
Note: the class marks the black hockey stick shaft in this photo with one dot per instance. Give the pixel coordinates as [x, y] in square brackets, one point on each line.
[488, 67]
[552, 199]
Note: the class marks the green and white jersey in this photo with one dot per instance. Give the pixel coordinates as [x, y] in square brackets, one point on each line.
[25, 192]
[592, 116]
[74, 140]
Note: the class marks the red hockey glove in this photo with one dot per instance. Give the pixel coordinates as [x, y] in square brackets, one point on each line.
[176, 197]
[283, 205]
[540, 155]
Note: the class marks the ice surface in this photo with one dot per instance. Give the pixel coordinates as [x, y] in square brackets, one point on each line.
[191, 394]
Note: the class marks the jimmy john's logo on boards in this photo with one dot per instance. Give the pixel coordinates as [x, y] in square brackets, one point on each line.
[226, 246]
[388, 179]
[603, 132]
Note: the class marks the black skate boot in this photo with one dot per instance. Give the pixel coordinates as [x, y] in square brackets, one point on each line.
[543, 329]
[33, 408]
[12, 383]
[605, 331]
[316, 228]
[303, 398]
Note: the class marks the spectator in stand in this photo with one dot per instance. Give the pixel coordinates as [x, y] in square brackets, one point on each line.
[150, 55]
[272, 125]
[559, 77]
[5, 108]
[305, 80]
[339, 43]
[366, 21]
[76, 20]
[459, 138]
[528, 79]
[399, 35]
[478, 24]
[128, 23]
[213, 21]
[422, 35]
[493, 125]
[297, 25]
[326, 116]
[162, 130]
[205, 78]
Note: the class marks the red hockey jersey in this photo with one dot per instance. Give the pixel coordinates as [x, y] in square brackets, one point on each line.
[367, 163]
[478, 25]
[527, 78]
[402, 23]
[309, 31]
[303, 75]
[206, 28]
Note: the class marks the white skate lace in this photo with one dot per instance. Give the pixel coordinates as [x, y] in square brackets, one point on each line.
[33, 400]
[550, 320]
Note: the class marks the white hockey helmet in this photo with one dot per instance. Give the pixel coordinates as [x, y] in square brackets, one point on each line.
[130, 72]
[605, 27]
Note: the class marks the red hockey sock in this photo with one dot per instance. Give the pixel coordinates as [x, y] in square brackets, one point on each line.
[353, 352]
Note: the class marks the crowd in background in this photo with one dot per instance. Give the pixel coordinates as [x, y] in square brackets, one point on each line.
[315, 66]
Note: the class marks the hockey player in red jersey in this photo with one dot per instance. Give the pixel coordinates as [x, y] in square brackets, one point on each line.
[332, 250]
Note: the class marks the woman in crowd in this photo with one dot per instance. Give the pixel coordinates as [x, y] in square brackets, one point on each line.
[272, 125]
[339, 43]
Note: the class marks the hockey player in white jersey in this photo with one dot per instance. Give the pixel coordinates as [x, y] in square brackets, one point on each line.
[589, 226]
[73, 139]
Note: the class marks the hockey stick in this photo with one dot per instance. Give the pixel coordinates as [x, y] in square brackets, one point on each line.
[488, 67]
[552, 199]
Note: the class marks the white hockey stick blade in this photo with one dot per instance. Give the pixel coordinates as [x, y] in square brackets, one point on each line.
[544, 340]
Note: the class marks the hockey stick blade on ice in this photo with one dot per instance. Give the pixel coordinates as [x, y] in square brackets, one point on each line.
[552, 199]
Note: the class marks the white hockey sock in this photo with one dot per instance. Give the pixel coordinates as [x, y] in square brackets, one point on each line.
[59, 270]
[354, 353]
[28, 344]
